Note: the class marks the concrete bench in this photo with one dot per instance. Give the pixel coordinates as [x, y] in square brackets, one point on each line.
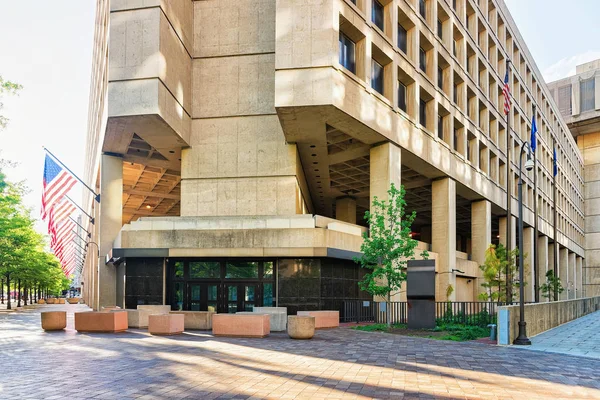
[50, 301]
[54, 320]
[323, 319]
[60, 301]
[241, 325]
[73, 300]
[101, 321]
[196, 320]
[139, 318]
[110, 308]
[155, 308]
[277, 315]
[165, 324]
[300, 327]
[41, 301]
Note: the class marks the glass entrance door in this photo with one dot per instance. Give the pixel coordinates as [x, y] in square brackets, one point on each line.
[203, 296]
[241, 296]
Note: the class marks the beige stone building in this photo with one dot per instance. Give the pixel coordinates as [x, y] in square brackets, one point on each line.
[238, 143]
[578, 100]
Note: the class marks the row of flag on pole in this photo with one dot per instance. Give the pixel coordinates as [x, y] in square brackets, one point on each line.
[58, 210]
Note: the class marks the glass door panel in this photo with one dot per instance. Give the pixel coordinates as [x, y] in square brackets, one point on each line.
[195, 297]
[232, 299]
[212, 298]
[249, 295]
[178, 296]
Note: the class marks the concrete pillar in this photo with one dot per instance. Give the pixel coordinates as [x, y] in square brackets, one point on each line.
[579, 274]
[481, 237]
[572, 285]
[502, 231]
[385, 161]
[111, 210]
[563, 268]
[542, 262]
[345, 209]
[443, 218]
[528, 240]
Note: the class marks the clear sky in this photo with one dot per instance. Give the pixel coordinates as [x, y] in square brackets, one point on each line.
[47, 47]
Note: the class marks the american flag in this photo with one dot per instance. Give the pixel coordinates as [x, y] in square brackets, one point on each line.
[58, 214]
[57, 182]
[506, 93]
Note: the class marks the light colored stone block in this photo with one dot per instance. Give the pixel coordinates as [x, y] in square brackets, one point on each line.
[166, 324]
[241, 325]
[196, 320]
[323, 319]
[101, 321]
[54, 320]
[301, 327]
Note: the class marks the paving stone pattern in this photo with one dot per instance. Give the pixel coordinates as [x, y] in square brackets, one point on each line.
[337, 364]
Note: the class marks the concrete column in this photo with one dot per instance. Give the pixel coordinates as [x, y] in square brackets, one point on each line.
[443, 217]
[563, 268]
[572, 276]
[111, 210]
[528, 240]
[385, 169]
[345, 209]
[502, 231]
[579, 274]
[542, 262]
[481, 237]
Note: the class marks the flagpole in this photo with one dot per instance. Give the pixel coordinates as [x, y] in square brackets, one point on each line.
[82, 210]
[508, 195]
[96, 195]
[535, 213]
[86, 231]
[554, 173]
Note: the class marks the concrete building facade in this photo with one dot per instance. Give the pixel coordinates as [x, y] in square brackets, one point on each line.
[578, 99]
[238, 143]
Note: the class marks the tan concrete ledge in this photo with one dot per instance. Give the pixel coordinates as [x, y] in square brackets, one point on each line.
[165, 324]
[323, 319]
[54, 320]
[196, 320]
[241, 325]
[108, 322]
[301, 327]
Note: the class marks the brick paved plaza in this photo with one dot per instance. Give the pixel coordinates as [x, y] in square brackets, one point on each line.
[336, 364]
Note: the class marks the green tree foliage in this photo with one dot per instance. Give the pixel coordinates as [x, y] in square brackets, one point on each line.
[495, 270]
[552, 287]
[387, 246]
[10, 88]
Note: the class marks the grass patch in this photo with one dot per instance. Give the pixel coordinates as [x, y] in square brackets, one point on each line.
[377, 327]
[454, 332]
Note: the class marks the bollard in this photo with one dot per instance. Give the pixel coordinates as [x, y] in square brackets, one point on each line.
[492, 331]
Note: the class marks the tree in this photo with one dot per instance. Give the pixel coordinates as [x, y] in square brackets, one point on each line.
[495, 269]
[387, 246]
[552, 286]
[6, 87]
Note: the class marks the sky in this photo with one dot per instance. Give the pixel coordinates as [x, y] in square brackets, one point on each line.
[48, 49]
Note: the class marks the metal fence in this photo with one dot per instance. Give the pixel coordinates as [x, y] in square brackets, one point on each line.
[459, 312]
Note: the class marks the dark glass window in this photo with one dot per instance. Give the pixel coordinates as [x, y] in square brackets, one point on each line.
[268, 270]
[454, 48]
[268, 295]
[422, 9]
[454, 4]
[423, 113]
[377, 76]
[241, 270]
[440, 30]
[401, 96]
[456, 139]
[422, 60]
[441, 127]
[377, 14]
[178, 296]
[440, 78]
[455, 96]
[587, 95]
[347, 53]
[402, 38]
[178, 270]
[205, 269]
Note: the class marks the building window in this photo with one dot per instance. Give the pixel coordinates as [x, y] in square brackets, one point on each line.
[377, 14]
[587, 98]
[377, 76]
[441, 127]
[440, 78]
[454, 48]
[439, 29]
[422, 60]
[422, 9]
[347, 53]
[402, 38]
[455, 94]
[423, 113]
[455, 144]
[564, 100]
[401, 96]
[454, 4]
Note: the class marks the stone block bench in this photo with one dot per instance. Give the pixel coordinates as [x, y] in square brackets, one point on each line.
[110, 308]
[277, 317]
[139, 318]
[73, 300]
[241, 325]
[196, 320]
[60, 301]
[50, 301]
[101, 321]
[54, 320]
[165, 324]
[41, 301]
[323, 319]
[300, 327]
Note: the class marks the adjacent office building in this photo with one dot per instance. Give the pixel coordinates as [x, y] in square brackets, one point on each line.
[238, 143]
[578, 100]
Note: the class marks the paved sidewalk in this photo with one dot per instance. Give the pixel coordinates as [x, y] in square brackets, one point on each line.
[580, 337]
[337, 364]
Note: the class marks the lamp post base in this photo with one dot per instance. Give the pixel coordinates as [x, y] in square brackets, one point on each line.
[522, 339]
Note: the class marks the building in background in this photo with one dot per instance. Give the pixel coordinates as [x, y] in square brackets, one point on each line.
[578, 99]
[238, 143]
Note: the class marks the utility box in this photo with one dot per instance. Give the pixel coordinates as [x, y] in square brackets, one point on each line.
[420, 294]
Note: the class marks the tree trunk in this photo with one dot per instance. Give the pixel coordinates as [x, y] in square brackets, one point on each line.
[25, 295]
[388, 311]
[19, 292]
[1, 291]
[8, 305]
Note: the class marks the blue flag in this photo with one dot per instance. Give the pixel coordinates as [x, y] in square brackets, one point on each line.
[533, 132]
[554, 164]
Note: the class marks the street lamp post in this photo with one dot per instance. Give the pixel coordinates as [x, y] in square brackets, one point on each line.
[522, 339]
